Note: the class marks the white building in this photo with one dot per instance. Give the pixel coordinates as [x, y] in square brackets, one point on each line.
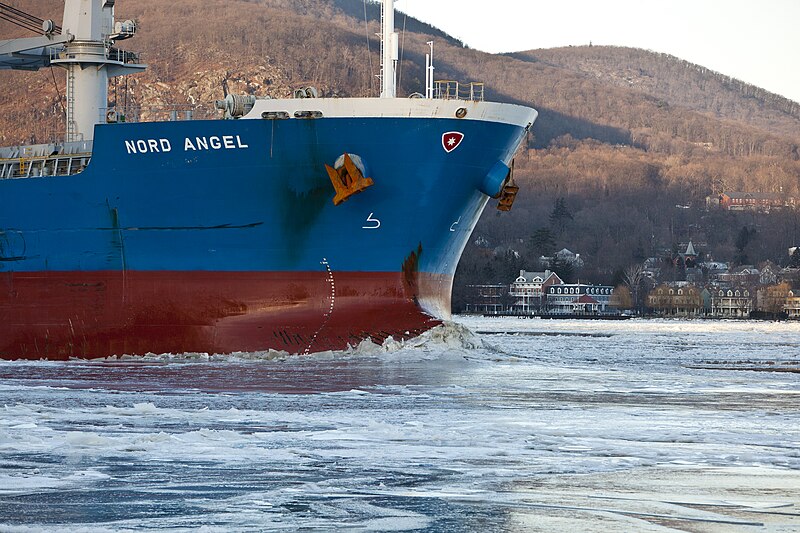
[792, 306]
[529, 288]
[565, 256]
[576, 298]
[731, 302]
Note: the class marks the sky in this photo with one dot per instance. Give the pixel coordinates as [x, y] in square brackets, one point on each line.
[755, 41]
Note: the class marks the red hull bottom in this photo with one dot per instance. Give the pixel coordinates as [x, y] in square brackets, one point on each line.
[59, 315]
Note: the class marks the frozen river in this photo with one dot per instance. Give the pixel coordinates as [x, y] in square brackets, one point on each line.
[525, 425]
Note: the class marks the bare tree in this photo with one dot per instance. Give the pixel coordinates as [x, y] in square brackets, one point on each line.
[633, 277]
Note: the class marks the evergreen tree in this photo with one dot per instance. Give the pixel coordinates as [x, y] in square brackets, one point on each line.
[561, 215]
[742, 241]
[543, 242]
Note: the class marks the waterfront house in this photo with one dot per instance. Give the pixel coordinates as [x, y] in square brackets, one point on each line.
[676, 299]
[577, 298]
[772, 299]
[731, 302]
[486, 299]
[792, 305]
[529, 288]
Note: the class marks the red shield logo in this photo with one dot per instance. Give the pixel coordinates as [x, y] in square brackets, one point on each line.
[451, 140]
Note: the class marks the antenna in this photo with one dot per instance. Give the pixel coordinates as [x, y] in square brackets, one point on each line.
[429, 72]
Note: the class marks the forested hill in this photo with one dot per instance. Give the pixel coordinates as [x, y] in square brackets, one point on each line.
[623, 136]
[676, 81]
[612, 94]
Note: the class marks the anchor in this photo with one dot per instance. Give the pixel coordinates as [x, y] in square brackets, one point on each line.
[509, 192]
[347, 180]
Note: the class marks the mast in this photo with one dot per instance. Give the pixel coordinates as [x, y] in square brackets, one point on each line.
[389, 50]
[429, 69]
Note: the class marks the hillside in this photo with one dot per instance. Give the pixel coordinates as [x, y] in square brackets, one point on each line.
[678, 82]
[624, 135]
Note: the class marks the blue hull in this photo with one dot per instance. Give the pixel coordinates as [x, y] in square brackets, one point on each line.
[247, 196]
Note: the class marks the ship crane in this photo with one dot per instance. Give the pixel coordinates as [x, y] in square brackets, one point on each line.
[84, 46]
[30, 53]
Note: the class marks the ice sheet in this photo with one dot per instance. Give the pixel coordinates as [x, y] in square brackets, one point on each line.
[602, 426]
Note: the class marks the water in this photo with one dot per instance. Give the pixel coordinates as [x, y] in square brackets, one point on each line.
[529, 425]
